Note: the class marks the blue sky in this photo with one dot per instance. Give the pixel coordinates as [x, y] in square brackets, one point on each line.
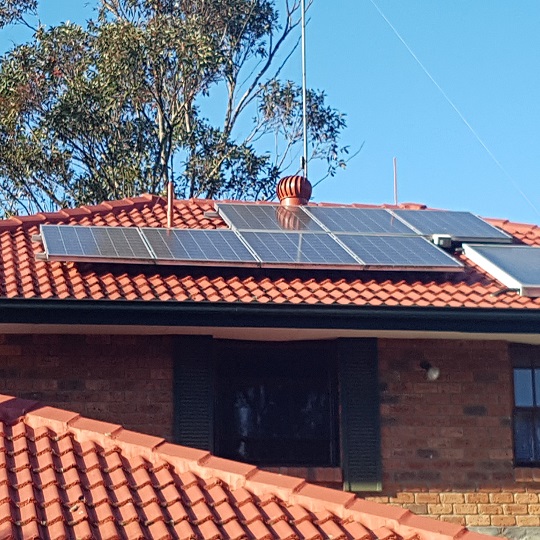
[483, 55]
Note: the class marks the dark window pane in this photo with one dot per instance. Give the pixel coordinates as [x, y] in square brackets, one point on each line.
[536, 387]
[536, 435]
[523, 393]
[276, 406]
[524, 437]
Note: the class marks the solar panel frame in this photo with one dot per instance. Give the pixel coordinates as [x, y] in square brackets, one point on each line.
[515, 266]
[264, 217]
[368, 221]
[94, 243]
[461, 226]
[300, 250]
[209, 247]
[409, 253]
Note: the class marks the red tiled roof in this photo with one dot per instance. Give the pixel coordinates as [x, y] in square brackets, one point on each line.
[65, 476]
[22, 276]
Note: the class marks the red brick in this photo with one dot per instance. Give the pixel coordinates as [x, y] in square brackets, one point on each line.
[501, 498]
[403, 498]
[534, 509]
[57, 380]
[493, 509]
[432, 498]
[514, 509]
[528, 521]
[523, 474]
[478, 521]
[417, 508]
[526, 498]
[458, 520]
[477, 498]
[452, 498]
[505, 453]
[465, 509]
[10, 350]
[382, 500]
[503, 521]
[437, 509]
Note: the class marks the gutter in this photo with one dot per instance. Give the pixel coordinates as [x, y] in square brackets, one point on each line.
[224, 314]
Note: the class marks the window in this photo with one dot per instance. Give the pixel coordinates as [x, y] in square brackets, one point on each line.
[276, 404]
[305, 404]
[527, 415]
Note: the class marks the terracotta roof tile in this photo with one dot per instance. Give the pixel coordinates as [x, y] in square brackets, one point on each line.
[307, 530]
[22, 276]
[233, 531]
[138, 487]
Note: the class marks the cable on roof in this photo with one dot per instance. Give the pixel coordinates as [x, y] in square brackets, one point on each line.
[504, 290]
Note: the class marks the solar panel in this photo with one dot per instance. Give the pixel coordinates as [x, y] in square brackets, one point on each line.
[197, 246]
[79, 243]
[257, 217]
[461, 226]
[359, 220]
[517, 267]
[284, 249]
[248, 248]
[399, 252]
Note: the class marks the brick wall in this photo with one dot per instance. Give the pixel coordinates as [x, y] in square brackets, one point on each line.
[513, 507]
[121, 379]
[447, 444]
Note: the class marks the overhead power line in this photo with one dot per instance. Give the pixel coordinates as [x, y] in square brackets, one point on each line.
[459, 113]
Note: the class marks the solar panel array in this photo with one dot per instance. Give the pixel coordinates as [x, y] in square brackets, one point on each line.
[375, 237]
[460, 226]
[278, 236]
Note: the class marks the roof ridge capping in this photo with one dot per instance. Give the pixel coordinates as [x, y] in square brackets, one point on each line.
[64, 214]
[346, 506]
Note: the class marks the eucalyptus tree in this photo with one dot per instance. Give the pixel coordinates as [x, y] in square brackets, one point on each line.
[154, 90]
[12, 11]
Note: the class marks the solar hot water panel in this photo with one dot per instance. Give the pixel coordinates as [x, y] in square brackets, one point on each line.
[516, 266]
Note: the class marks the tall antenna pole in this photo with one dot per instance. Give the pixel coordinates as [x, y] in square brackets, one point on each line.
[304, 90]
[395, 182]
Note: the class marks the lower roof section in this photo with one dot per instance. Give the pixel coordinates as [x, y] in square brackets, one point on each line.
[17, 315]
[93, 479]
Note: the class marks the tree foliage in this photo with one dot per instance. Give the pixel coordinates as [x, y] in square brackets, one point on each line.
[130, 101]
[12, 11]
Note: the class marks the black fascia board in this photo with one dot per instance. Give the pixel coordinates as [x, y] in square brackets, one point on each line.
[223, 314]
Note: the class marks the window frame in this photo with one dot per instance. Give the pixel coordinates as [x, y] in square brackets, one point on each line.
[194, 358]
[227, 351]
[526, 357]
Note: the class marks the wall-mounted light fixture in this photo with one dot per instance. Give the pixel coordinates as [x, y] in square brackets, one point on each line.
[432, 372]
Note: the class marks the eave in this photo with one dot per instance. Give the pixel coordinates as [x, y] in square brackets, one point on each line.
[18, 314]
